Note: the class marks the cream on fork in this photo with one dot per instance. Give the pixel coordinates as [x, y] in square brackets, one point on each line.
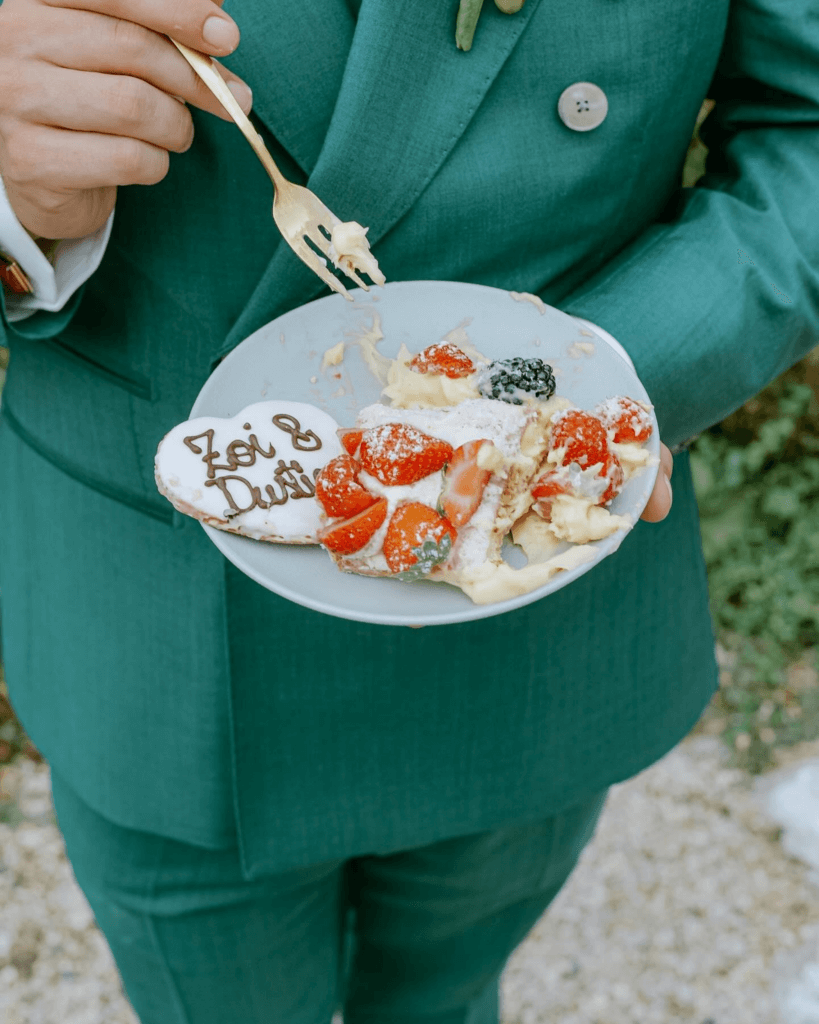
[299, 213]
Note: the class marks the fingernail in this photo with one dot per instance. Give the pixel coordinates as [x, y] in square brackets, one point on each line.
[221, 33]
[668, 485]
[243, 94]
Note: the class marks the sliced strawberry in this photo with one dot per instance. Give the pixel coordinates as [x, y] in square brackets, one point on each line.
[350, 438]
[545, 490]
[583, 436]
[443, 358]
[560, 481]
[350, 535]
[613, 471]
[464, 483]
[627, 418]
[398, 454]
[417, 539]
[549, 486]
[338, 489]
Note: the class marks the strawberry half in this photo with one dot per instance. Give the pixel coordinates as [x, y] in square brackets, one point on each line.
[614, 472]
[545, 490]
[351, 535]
[338, 489]
[443, 358]
[350, 438]
[417, 539]
[562, 481]
[583, 435]
[628, 419]
[399, 454]
[464, 484]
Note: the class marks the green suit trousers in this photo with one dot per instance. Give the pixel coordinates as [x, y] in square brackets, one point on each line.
[417, 937]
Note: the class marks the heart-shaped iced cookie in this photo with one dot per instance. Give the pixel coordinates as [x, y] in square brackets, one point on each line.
[253, 474]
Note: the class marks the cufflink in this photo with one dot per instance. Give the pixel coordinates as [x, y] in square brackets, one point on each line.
[13, 277]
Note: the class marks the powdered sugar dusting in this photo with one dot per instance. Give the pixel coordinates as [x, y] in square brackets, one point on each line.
[625, 419]
[475, 418]
[385, 443]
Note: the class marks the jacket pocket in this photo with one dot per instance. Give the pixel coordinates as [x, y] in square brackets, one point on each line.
[131, 380]
[87, 420]
[164, 512]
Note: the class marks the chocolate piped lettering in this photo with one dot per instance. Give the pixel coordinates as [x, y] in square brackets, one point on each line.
[290, 425]
[289, 479]
[239, 453]
[254, 444]
[298, 486]
[256, 499]
[210, 455]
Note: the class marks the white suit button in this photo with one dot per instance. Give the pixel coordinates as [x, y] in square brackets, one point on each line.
[582, 106]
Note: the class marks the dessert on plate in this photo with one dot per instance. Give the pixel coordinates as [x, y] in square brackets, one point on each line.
[463, 455]
[469, 452]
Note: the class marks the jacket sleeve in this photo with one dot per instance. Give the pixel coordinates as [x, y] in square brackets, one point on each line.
[716, 302]
[57, 284]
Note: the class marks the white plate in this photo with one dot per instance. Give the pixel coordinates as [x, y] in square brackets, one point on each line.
[283, 360]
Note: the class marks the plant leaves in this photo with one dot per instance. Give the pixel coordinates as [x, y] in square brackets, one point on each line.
[466, 22]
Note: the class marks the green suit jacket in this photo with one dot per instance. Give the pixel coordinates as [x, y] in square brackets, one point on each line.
[179, 697]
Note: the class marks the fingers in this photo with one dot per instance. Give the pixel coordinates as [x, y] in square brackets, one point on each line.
[197, 23]
[83, 41]
[93, 95]
[53, 159]
[666, 460]
[659, 504]
[108, 104]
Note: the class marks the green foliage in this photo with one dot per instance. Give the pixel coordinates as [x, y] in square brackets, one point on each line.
[694, 166]
[757, 481]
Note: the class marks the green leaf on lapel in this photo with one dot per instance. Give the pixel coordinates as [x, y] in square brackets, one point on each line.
[468, 13]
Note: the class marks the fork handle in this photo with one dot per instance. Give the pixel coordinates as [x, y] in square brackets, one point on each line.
[206, 69]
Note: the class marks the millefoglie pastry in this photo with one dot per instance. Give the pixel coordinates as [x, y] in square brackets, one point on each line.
[468, 452]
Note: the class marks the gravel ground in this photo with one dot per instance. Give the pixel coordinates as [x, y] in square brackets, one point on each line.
[684, 908]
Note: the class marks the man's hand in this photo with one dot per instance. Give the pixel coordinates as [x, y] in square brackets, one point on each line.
[92, 96]
[659, 504]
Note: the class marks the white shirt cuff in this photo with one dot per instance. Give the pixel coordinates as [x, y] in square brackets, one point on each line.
[73, 261]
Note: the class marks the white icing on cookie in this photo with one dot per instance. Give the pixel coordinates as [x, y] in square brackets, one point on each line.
[253, 474]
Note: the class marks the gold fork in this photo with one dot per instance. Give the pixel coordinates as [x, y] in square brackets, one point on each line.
[299, 213]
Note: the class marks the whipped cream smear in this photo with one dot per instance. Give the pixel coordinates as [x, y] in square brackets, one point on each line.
[350, 251]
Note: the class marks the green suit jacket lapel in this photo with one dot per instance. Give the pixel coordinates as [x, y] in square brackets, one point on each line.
[293, 56]
[388, 133]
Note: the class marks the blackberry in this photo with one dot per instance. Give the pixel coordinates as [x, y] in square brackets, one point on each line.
[512, 380]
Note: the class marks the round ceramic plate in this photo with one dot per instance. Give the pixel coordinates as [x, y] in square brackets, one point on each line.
[285, 360]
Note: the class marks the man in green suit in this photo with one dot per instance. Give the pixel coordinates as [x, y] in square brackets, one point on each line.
[275, 812]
